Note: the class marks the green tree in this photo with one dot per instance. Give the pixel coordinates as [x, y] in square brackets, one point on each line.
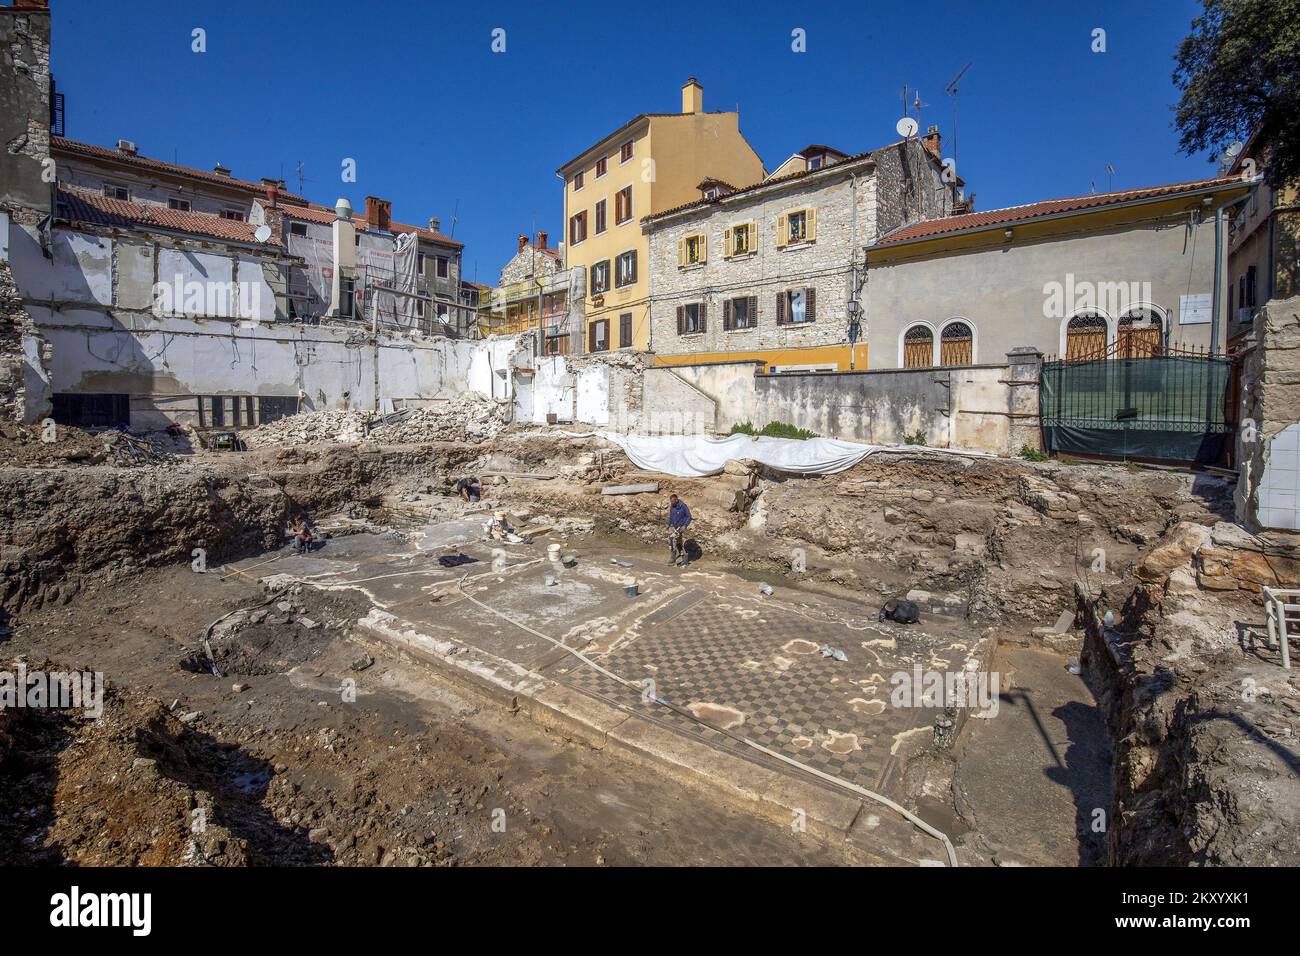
[1239, 73]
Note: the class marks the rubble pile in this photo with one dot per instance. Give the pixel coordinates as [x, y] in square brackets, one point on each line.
[464, 419]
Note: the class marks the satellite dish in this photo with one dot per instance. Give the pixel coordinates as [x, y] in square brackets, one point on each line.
[262, 233]
[906, 127]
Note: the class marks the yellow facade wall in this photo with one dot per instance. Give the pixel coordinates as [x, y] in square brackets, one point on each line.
[814, 355]
[671, 155]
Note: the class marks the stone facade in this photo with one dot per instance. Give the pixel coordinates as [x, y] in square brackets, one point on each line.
[1268, 437]
[887, 188]
[24, 107]
[533, 260]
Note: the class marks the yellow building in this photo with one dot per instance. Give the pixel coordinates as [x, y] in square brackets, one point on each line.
[650, 164]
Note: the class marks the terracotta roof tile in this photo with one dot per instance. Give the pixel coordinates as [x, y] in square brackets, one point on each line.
[322, 215]
[85, 205]
[144, 163]
[1047, 207]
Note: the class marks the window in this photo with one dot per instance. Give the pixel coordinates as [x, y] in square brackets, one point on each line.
[600, 217]
[691, 318]
[602, 166]
[815, 162]
[577, 227]
[1250, 283]
[117, 192]
[297, 229]
[625, 154]
[1086, 336]
[691, 250]
[180, 205]
[796, 227]
[600, 277]
[739, 239]
[918, 347]
[577, 181]
[233, 214]
[625, 268]
[598, 336]
[419, 263]
[623, 205]
[347, 302]
[625, 330]
[956, 344]
[796, 306]
[444, 267]
[741, 313]
[1138, 334]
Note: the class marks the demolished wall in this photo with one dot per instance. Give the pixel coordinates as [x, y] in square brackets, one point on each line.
[24, 378]
[1268, 440]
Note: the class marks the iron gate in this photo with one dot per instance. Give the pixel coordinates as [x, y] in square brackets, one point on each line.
[1168, 407]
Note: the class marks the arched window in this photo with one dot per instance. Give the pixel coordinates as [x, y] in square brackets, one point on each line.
[956, 344]
[1085, 337]
[918, 347]
[1140, 334]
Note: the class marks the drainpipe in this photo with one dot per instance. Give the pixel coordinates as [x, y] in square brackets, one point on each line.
[853, 272]
[1216, 310]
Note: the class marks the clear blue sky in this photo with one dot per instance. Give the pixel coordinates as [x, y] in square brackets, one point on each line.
[436, 120]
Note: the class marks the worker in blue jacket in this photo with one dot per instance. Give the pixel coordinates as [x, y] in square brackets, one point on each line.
[679, 519]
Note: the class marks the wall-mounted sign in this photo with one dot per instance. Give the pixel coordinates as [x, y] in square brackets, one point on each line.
[1194, 309]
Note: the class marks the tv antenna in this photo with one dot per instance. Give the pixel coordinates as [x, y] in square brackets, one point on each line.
[951, 90]
[301, 178]
[454, 208]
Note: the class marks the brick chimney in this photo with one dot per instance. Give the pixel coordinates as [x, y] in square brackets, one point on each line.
[220, 170]
[931, 141]
[31, 4]
[541, 240]
[692, 96]
[379, 213]
[523, 241]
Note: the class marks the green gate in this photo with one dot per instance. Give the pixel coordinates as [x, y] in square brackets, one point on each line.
[1169, 407]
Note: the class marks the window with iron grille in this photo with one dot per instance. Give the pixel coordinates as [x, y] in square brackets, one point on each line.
[918, 347]
[956, 344]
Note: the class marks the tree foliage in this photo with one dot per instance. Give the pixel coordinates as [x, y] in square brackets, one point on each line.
[1239, 74]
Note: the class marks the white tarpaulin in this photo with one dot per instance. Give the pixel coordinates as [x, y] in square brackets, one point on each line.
[689, 456]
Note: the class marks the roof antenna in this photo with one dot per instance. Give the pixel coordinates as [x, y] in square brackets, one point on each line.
[454, 208]
[951, 90]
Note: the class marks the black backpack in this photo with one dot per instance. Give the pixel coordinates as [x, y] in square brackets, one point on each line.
[900, 611]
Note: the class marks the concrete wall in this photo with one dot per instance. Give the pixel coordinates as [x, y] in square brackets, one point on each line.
[729, 384]
[997, 286]
[24, 108]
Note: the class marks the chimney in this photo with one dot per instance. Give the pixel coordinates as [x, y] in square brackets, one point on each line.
[523, 241]
[220, 170]
[31, 4]
[379, 213]
[541, 240]
[692, 96]
[931, 141]
[128, 147]
[435, 224]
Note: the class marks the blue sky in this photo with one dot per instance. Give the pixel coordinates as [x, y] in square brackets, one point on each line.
[438, 122]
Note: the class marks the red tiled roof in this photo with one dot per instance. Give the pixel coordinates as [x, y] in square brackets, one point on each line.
[1047, 207]
[144, 163]
[85, 205]
[322, 215]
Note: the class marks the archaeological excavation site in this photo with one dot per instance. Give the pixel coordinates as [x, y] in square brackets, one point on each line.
[780, 511]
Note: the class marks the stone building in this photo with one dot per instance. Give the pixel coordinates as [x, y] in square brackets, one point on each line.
[772, 272]
[533, 283]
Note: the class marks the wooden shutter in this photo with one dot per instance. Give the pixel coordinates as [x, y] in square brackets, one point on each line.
[727, 248]
[591, 337]
[703, 317]
[726, 315]
[782, 230]
[753, 311]
[752, 236]
[812, 223]
[681, 252]
[681, 319]
[632, 273]
[781, 316]
[704, 247]
[809, 303]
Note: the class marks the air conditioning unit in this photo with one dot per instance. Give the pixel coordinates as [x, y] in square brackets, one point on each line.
[1246, 314]
[126, 146]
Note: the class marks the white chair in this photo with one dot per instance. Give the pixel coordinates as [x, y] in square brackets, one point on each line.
[1283, 606]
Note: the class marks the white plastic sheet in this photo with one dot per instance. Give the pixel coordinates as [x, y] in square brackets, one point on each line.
[690, 456]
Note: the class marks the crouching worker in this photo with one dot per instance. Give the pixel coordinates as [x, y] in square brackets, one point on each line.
[302, 536]
[470, 489]
[499, 528]
[679, 519]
